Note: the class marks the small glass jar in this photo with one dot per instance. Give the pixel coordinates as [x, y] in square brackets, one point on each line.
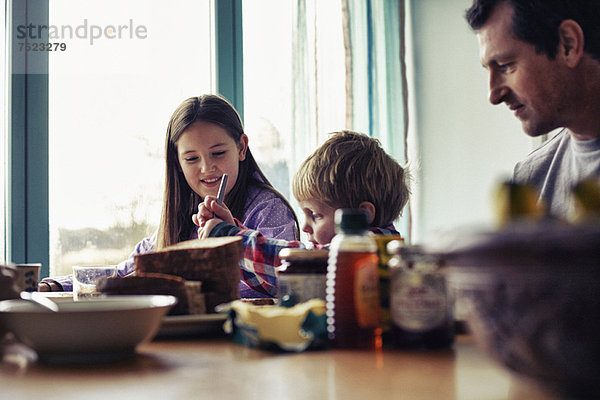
[421, 306]
[302, 274]
[384, 281]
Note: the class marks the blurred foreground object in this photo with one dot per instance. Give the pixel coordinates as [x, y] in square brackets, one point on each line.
[586, 195]
[533, 296]
[8, 288]
[514, 201]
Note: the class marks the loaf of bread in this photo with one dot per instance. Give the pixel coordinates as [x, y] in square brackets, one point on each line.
[151, 283]
[213, 261]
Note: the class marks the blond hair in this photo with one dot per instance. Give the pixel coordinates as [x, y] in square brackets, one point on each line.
[350, 168]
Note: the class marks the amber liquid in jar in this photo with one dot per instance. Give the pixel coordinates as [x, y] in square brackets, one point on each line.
[353, 308]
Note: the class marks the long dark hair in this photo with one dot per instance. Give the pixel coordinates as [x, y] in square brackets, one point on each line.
[179, 200]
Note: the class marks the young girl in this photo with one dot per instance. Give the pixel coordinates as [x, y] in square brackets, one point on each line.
[205, 139]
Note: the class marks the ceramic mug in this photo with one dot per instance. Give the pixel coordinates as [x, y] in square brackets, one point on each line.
[27, 276]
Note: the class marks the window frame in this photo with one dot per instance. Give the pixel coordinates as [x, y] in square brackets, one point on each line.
[27, 202]
[27, 232]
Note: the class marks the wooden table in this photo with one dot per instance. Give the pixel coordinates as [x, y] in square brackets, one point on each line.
[216, 368]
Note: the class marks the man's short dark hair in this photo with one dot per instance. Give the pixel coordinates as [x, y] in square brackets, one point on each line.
[537, 21]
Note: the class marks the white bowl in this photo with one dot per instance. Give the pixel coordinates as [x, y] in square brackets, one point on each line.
[101, 329]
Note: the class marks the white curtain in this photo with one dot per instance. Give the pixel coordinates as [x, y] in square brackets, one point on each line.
[349, 73]
[377, 95]
[318, 73]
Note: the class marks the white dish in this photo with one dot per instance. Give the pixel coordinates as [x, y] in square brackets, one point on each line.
[191, 326]
[56, 295]
[100, 329]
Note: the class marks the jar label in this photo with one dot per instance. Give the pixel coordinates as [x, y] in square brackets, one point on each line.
[304, 286]
[366, 293]
[419, 302]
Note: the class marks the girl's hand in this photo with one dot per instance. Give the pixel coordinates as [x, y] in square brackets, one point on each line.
[49, 287]
[209, 209]
[204, 231]
[204, 214]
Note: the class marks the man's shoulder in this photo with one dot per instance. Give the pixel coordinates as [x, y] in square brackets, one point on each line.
[550, 146]
[540, 159]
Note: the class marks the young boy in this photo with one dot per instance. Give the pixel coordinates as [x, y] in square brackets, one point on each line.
[350, 170]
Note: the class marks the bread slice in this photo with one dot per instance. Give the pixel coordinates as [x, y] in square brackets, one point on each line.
[214, 261]
[149, 284]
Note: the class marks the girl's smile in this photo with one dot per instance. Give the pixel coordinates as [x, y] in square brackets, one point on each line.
[210, 182]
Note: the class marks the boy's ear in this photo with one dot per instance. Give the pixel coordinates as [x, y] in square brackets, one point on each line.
[370, 209]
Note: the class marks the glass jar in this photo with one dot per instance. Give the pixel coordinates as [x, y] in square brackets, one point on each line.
[421, 306]
[384, 282]
[302, 274]
[352, 302]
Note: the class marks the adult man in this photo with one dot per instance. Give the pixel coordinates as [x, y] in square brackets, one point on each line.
[543, 58]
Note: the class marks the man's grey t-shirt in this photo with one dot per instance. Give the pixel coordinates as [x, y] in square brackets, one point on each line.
[556, 166]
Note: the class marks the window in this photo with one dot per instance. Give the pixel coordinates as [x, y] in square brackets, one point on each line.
[3, 122]
[126, 67]
[293, 82]
[332, 65]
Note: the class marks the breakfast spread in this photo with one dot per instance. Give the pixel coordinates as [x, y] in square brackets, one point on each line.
[200, 273]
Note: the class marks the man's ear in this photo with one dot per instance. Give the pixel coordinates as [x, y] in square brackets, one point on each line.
[370, 209]
[571, 40]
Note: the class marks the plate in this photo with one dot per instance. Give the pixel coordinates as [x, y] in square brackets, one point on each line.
[203, 325]
[56, 295]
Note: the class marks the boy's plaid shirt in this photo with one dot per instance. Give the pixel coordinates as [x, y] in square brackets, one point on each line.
[261, 254]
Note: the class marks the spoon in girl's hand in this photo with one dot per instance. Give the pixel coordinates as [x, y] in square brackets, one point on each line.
[221, 193]
[222, 186]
